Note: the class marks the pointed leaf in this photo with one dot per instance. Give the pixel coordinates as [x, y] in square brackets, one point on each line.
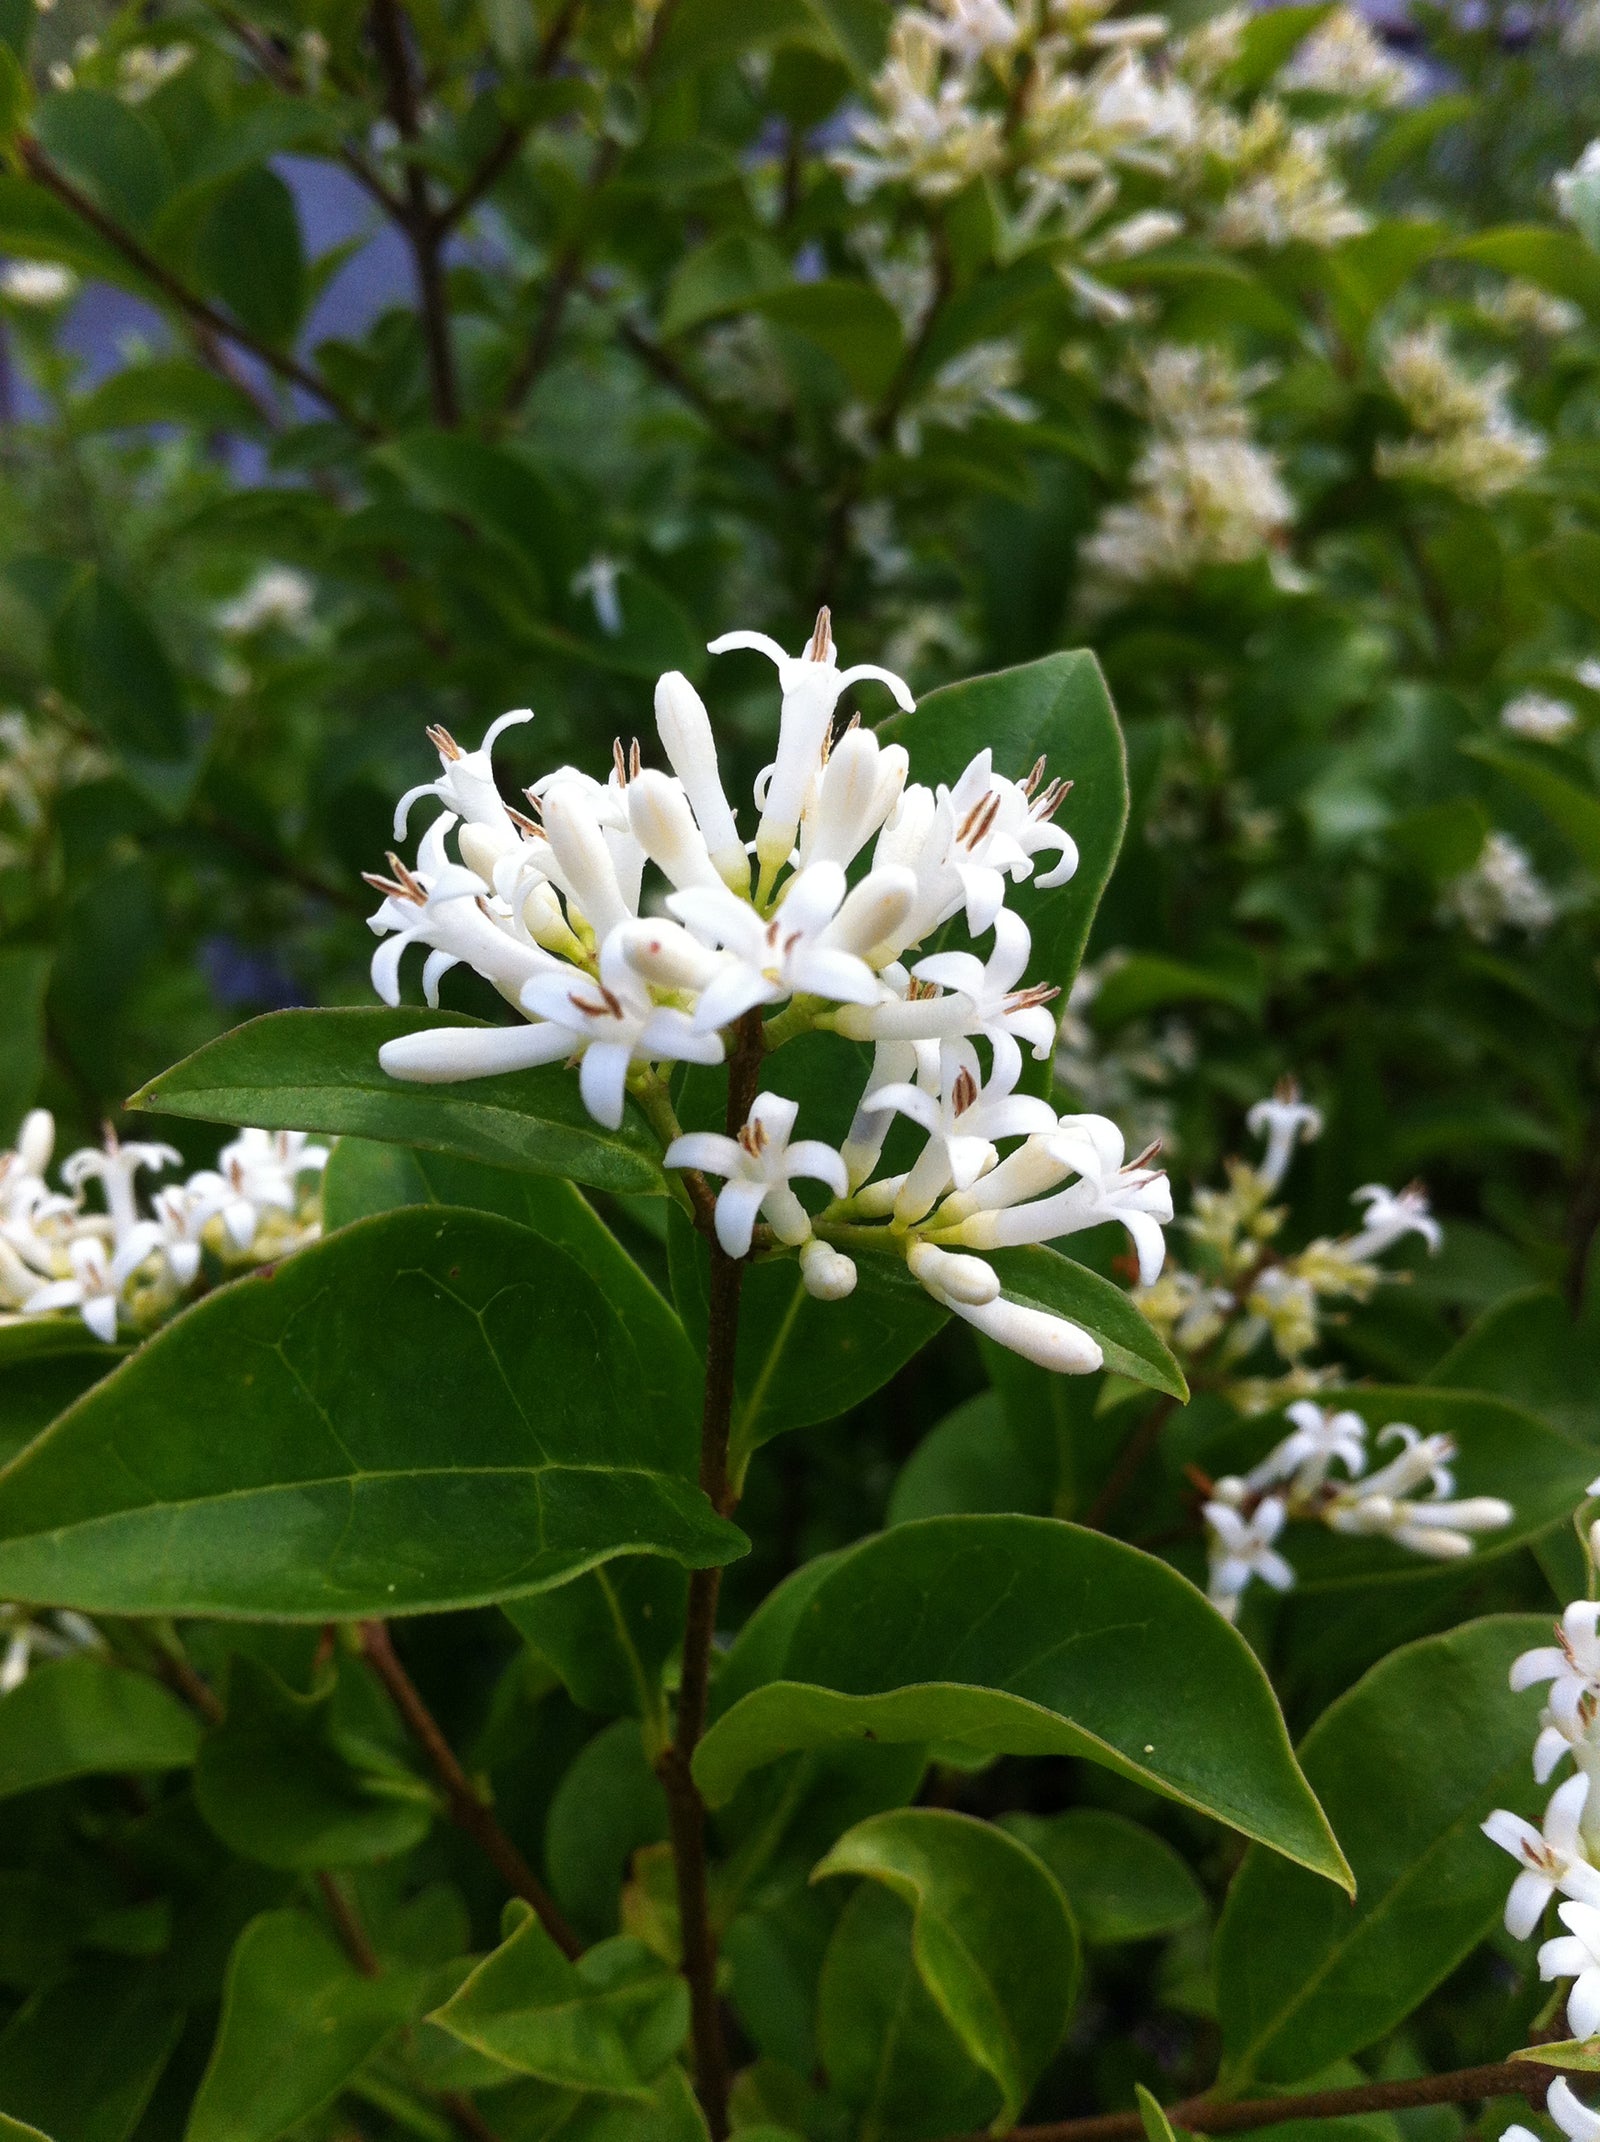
[319, 1071]
[1023, 1636]
[81, 2058]
[79, 1716]
[972, 1890]
[1123, 1882]
[1407, 1764]
[427, 1410]
[1045, 1279]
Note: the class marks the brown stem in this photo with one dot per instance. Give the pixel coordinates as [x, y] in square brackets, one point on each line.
[515, 132]
[667, 369]
[423, 232]
[468, 1808]
[347, 1925]
[280, 69]
[1201, 2115]
[686, 1812]
[1129, 1463]
[44, 173]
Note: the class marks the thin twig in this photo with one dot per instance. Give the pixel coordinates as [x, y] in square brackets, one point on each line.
[44, 173]
[515, 132]
[468, 1808]
[686, 1812]
[1203, 2115]
[280, 69]
[415, 216]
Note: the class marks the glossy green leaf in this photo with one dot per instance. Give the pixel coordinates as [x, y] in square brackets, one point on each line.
[319, 1070]
[971, 1889]
[19, 2131]
[1555, 259]
[970, 1462]
[1572, 810]
[1407, 1764]
[1124, 1883]
[1058, 707]
[249, 253]
[854, 323]
[1580, 2053]
[428, 1409]
[77, 1716]
[110, 148]
[609, 1633]
[607, 1805]
[885, 2044]
[1018, 1635]
[168, 390]
[1500, 1450]
[724, 275]
[497, 491]
[44, 1365]
[112, 664]
[1529, 1350]
[1153, 2118]
[80, 2059]
[609, 2022]
[1045, 1279]
[298, 2019]
[280, 1783]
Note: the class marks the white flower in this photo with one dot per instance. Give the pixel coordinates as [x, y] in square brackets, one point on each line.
[860, 787]
[1343, 58]
[1576, 1955]
[685, 730]
[758, 1166]
[811, 683]
[615, 1022]
[40, 283]
[116, 1166]
[1388, 1216]
[598, 580]
[443, 905]
[466, 784]
[1539, 717]
[1242, 1548]
[813, 944]
[829, 1275]
[278, 595]
[971, 1289]
[1136, 1197]
[1285, 1121]
[99, 1275]
[962, 1120]
[1384, 1504]
[1502, 891]
[1319, 1440]
[1570, 2114]
[997, 1010]
[1571, 1665]
[1553, 1858]
[257, 1173]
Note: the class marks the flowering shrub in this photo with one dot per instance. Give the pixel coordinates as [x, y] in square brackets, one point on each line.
[877, 1438]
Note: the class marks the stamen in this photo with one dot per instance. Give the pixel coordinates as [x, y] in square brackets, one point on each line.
[979, 823]
[1026, 999]
[964, 1092]
[1051, 801]
[535, 805]
[516, 817]
[443, 742]
[1146, 1156]
[821, 647]
[920, 992]
[619, 762]
[634, 760]
[753, 1137]
[1035, 776]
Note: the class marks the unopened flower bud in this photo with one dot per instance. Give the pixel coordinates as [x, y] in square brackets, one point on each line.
[952, 1279]
[829, 1275]
[665, 828]
[685, 730]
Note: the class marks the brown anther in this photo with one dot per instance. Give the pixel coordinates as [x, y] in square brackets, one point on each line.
[979, 822]
[386, 886]
[634, 760]
[535, 806]
[1287, 1088]
[1147, 1155]
[753, 1137]
[854, 722]
[517, 818]
[919, 992]
[613, 1004]
[1035, 776]
[821, 647]
[619, 761]
[1051, 801]
[964, 1092]
[443, 742]
[1026, 999]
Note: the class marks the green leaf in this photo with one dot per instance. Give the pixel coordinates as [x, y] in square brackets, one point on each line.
[1157, 2127]
[109, 148]
[1580, 2053]
[1572, 810]
[35, 226]
[426, 1410]
[609, 2022]
[1570, 562]
[1407, 1764]
[297, 2022]
[855, 324]
[80, 2059]
[24, 978]
[970, 1462]
[319, 1070]
[502, 495]
[724, 275]
[971, 1889]
[1500, 1451]
[1018, 1635]
[1045, 1279]
[1058, 707]
[1555, 259]
[77, 1717]
[859, 31]
[1529, 1351]
[19, 2131]
[1148, 981]
[44, 1365]
[112, 664]
[1124, 1883]
[609, 1633]
[249, 254]
[168, 390]
[280, 1783]
[607, 1805]
[364, 1178]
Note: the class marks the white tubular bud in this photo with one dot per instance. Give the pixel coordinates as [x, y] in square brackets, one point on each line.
[685, 730]
[828, 1274]
[441, 1055]
[857, 792]
[904, 1019]
[958, 1282]
[873, 910]
[663, 954]
[877, 1199]
[1051, 1342]
[1028, 1172]
[483, 846]
[546, 922]
[588, 874]
[665, 828]
[36, 1140]
[811, 692]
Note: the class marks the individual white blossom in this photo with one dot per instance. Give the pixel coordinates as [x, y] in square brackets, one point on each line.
[1521, 307]
[1285, 1121]
[981, 382]
[1241, 1548]
[599, 581]
[1387, 1217]
[1576, 1955]
[143, 69]
[1569, 2112]
[39, 284]
[1502, 891]
[555, 908]
[1554, 1858]
[1577, 192]
[1538, 717]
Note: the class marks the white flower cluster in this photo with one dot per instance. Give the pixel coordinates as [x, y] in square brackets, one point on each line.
[122, 1268]
[1203, 491]
[1502, 891]
[1296, 1479]
[1344, 57]
[553, 907]
[1464, 436]
[1562, 1857]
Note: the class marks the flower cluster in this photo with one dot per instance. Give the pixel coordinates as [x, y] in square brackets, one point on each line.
[1246, 1513]
[1244, 1297]
[123, 1267]
[1502, 891]
[1204, 493]
[1561, 1858]
[1463, 435]
[633, 926]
